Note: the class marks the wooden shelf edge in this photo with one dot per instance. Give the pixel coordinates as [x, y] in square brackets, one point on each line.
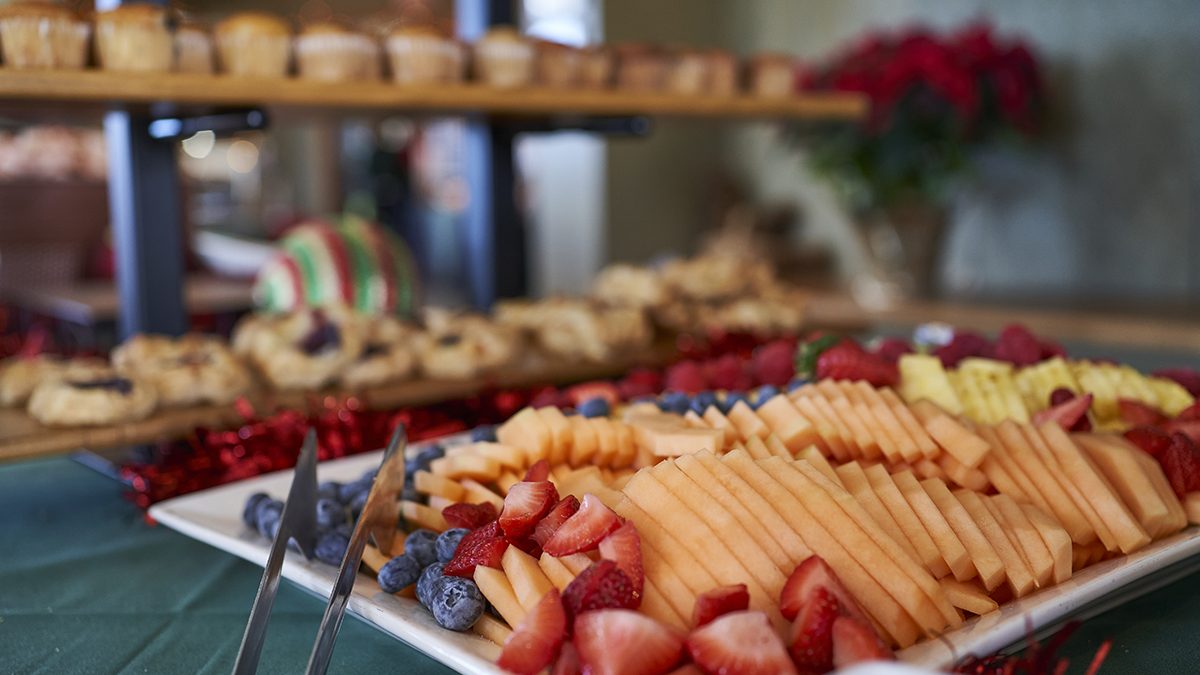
[101, 87]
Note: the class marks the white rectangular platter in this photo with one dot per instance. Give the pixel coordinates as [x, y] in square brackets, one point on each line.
[214, 516]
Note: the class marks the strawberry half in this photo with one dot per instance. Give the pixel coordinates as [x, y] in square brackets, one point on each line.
[742, 642]
[536, 640]
[624, 547]
[567, 662]
[538, 472]
[1188, 414]
[1152, 440]
[524, 505]
[1189, 428]
[601, 586]
[1181, 464]
[855, 642]
[1137, 413]
[483, 546]
[718, 602]
[469, 516]
[1071, 415]
[584, 530]
[848, 361]
[810, 641]
[625, 642]
[549, 524]
[810, 576]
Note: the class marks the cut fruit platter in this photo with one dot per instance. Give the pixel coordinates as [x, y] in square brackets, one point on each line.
[937, 506]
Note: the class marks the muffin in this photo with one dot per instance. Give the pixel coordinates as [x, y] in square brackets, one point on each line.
[687, 73]
[640, 68]
[722, 73]
[422, 55]
[193, 49]
[332, 52]
[253, 44]
[596, 67]
[42, 35]
[772, 75]
[504, 58]
[557, 65]
[135, 38]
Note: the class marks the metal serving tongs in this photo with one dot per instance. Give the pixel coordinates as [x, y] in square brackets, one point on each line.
[376, 522]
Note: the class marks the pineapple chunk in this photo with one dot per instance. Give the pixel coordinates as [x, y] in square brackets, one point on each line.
[922, 377]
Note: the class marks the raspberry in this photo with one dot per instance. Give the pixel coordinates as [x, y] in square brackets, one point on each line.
[964, 344]
[686, 376]
[774, 363]
[1018, 346]
[726, 373]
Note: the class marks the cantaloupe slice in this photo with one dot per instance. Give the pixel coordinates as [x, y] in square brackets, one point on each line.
[855, 481]
[963, 475]
[507, 456]
[476, 493]
[1178, 518]
[756, 448]
[606, 441]
[715, 419]
[814, 457]
[525, 576]
[527, 431]
[1060, 504]
[863, 437]
[584, 444]
[787, 422]
[670, 583]
[1020, 578]
[843, 432]
[1082, 556]
[888, 446]
[911, 425]
[777, 446]
[420, 515]
[1027, 491]
[1191, 506]
[466, 466]
[439, 503]
[1116, 461]
[506, 480]
[678, 557]
[555, 571]
[495, 587]
[561, 434]
[968, 597]
[1056, 539]
[928, 468]
[433, 484]
[747, 422]
[1035, 441]
[491, 628]
[883, 486]
[626, 446]
[966, 447]
[669, 436]
[654, 604]
[947, 542]
[827, 435]
[984, 558]
[1022, 532]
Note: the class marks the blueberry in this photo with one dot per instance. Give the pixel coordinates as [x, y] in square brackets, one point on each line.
[431, 453]
[456, 603]
[595, 407]
[765, 393]
[358, 504]
[345, 529]
[348, 491]
[796, 384]
[269, 511]
[422, 545]
[250, 511]
[703, 401]
[731, 399]
[331, 546]
[676, 402]
[272, 529]
[447, 543]
[399, 573]
[427, 581]
[410, 494]
[330, 513]
[329, 490]
[483, 433]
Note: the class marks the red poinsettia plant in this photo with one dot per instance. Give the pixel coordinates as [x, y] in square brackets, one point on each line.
[934, 99]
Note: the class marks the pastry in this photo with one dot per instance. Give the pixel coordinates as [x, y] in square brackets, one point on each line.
[558, 65]
[359, 264]
[713, 277]
[630, 286]
[190, 370]
[193, 49]
[422, 55]
[775, 314]
[722, 73]
[772, 75]
[36, 34]
[388, 354]
[458, 347]
[135, 38]
[92, 397]
[687, 74]
[254, 44]
[504, 58]
[640, 68]
[329, 51]
[596, 67]
[307, 348]
[20, 375]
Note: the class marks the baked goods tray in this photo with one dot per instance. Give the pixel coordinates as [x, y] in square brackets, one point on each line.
[213, 516]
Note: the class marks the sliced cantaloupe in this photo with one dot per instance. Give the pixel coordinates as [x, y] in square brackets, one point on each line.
[948, 544]
[787, 422]
[1026, 537]
[525, 576]
[883, 486]
[1061, 506]
[987, 563]
[495, 587]
[1020, 578]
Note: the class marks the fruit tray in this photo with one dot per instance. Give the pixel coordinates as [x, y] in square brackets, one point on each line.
[214, 516]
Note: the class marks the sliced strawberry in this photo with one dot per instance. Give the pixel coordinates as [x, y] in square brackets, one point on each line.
[810, 641]
[549, 524]
[469, 516]
[1189, 428]
[805, 580]
[624, 547]
[567, 662]
[535, 641]
[601, 586]
[855, 642]
[687, 669]
[848, 361]
[483, 546]
[625, 642]
[1189, 413]
[742, 642]
[1138, 413]
[589, 390]
[540, 471]
[718, 602]
[1071, 415]
[1017, 345]
[1181, 464]
[1061, 395]
[528, 545]
[584, 530]
[1152, 440]
[524, 505]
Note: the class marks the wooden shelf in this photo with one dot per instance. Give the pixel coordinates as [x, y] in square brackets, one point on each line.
[101, 87]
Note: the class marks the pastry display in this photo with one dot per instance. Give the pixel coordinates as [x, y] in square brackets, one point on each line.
[135, 38]
[190, 370]
[557, 65]
[331, 52]
[640, 67]
[20, 375]
[422, 55]
[596, 67]
[503, 58]
[688, 73]
[578, 330]
[254, 44]
[193, 49]
[305, 349]
[388, 354]
[90, 396]
[459, 346]
[772, 76]
[722, 73]
[37, 34]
